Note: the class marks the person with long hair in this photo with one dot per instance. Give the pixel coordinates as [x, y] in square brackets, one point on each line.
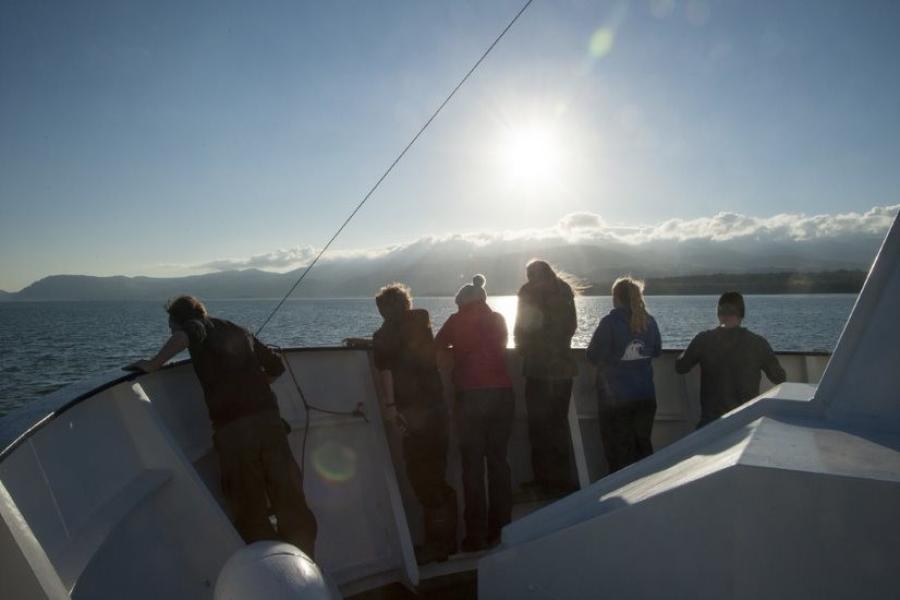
[404, 352]
[621, 348]
[545, 324]
[476, 337]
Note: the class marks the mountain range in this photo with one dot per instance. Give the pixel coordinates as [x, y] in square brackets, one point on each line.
[438, 267]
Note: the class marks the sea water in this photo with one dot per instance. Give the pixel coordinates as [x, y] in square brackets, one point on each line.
[46, 345]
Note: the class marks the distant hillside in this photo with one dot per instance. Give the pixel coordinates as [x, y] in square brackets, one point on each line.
[231, 284]
[437, 267]
[5, 296]
[676, 257]
[422, 278]
[828, 282]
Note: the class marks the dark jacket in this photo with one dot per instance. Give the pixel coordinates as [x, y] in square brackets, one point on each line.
[405, 347]
[730, 360]
[545, 324]
[624, 358]
[233, 368]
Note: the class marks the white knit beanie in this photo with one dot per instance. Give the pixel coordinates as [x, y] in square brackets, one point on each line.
[472, 292]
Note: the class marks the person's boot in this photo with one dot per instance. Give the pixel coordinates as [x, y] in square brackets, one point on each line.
[449, 524]
[440, 532]
[433, 548]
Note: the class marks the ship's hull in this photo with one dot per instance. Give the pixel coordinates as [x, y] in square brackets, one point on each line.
[111, 489]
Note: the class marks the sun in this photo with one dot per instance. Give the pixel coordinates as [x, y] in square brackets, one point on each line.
[530, 155]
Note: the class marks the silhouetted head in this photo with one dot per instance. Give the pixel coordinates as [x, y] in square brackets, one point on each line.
[731, 308]
[543, 276]
[472, 292]
[393, 300]
[183, 309]
[538, 271]
[628, 293]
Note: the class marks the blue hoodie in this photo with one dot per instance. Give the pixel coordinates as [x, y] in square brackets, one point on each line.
[624, 357]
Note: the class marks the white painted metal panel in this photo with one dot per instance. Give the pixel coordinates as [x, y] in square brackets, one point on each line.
[27, 572]
[777, 509]
[863, 378]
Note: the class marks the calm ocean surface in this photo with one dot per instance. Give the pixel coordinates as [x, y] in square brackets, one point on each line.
[46, 345]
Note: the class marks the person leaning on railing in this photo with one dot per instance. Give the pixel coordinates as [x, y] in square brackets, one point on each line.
[545, 324]
[476, 337]
[404, 351]
[622, 347]
[258, 467]
[731, 358]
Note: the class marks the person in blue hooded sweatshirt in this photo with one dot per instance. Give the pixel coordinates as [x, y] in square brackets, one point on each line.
[622, 348]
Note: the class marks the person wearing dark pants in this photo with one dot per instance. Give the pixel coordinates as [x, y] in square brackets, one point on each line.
[257, 465]
[622, 347]
[258, 470]
[404, 352]
[547, 403]
[425, 454]
[545, 324]
[626, 430]
[484, 420]
[483, 412]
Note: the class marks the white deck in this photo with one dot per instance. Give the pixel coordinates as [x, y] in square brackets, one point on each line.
[794, 495]
[118, 495]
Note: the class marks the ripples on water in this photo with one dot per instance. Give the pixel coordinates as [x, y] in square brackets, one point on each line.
[46, 345]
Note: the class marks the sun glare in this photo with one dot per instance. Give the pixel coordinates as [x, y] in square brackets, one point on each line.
[530, 155]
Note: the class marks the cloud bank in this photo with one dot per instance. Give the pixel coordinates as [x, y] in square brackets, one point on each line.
[725, 226]
[276, 260]
[723, 231]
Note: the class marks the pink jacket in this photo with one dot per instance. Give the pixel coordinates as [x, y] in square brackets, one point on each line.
[478, 337]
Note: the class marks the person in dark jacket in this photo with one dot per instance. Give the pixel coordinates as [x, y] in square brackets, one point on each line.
[731, 358]
[404, 351]
[622, 348]
[545, 324]
[257, 465]
[483, 412]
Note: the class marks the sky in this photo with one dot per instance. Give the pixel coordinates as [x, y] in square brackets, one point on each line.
[166, 138]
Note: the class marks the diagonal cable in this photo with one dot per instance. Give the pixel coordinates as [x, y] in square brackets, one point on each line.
[392, 165]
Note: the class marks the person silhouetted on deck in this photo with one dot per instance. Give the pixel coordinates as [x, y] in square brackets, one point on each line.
[545, 324]
[622, 348]
[257, 465]
[404, 351]
[731, 358]
[483, 412]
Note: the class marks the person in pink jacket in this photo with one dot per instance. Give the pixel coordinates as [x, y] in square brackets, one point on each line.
[483, 413]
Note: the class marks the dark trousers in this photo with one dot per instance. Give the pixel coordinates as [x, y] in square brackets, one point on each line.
[258, 469]
[547, 401]
[625, 429]
[425, 454]
[484, 421]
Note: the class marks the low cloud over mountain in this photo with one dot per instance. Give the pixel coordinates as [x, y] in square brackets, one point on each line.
[727, 242]
[583, 244]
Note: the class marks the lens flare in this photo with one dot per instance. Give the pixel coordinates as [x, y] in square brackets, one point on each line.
[602, 42]
[334, 462]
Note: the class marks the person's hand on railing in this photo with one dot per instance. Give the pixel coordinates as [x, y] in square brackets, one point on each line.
[357, 342]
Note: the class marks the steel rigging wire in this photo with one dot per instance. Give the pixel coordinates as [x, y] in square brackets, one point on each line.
[358, 412]
[393, 164]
